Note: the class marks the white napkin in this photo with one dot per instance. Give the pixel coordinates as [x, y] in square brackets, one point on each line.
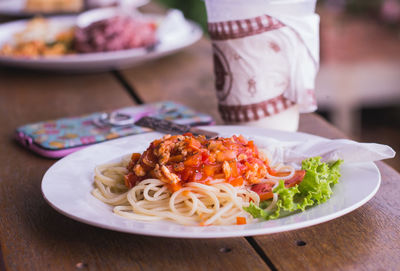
[293, 152]
[173, 28]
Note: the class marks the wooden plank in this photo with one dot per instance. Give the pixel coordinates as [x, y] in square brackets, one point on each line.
[186, 77]
[33, 236]
[366, 239]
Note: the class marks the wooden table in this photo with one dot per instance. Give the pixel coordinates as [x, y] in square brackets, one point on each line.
[33, 236]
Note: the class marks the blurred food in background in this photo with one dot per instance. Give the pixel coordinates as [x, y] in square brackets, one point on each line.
[113, 34]
[47, 38]
[73, 6]
[40, 38]
[71, 43]
[29, 8]
[54, 6]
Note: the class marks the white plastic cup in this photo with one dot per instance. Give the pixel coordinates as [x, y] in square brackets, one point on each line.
[266, 57]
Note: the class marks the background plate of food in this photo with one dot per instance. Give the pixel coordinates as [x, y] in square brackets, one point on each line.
[22, 8]
[97, 40]
[80, 185]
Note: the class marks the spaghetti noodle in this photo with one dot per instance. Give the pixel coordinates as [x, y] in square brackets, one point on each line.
[191, 180]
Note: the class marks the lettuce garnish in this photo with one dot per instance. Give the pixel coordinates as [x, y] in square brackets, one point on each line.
[314, 189]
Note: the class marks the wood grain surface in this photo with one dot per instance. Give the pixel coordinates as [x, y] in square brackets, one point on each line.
[33, 236]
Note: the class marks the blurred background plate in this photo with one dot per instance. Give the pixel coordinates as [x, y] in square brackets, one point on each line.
[20, 8]
[171, 41]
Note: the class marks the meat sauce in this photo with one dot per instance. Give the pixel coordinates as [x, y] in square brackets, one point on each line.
[178, 159]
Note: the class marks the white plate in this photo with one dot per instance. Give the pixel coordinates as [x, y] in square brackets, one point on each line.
[169, 42]
[67, 185]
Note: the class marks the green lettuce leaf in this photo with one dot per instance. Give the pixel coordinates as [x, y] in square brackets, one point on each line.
[255, 211]
[286, 196]
[314, 189]
[316, 185]
[286, 201]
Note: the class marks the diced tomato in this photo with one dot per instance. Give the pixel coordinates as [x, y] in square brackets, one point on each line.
[264, 190]
[210, 170]
[219, 176]
[251, 145]
[193, 161]
[237, 181]
[296, 179]
[204, 156]
[234, 169]
[240, 220]
[194, 144]
[174, 186]
[265, 196]
[185, 175]
[219, 157]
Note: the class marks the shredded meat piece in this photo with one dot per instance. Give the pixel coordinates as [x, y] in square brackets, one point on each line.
[181, 148]
[227, 169]
[164, 150]
[139, 171]
[157, 172]
[179, 166]
[178, 159]
[148, 162]
[173, 178]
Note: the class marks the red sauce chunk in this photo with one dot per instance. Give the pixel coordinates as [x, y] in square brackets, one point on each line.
[179, 159]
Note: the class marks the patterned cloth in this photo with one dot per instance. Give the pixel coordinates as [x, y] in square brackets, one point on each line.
[83, 130]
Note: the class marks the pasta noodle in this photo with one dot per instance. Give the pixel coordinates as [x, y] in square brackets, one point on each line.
[218, 203]
[192, 181]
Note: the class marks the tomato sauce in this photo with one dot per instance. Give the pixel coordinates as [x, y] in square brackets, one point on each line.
[186, 158]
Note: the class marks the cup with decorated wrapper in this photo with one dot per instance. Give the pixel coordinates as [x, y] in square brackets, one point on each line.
[266, 57]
